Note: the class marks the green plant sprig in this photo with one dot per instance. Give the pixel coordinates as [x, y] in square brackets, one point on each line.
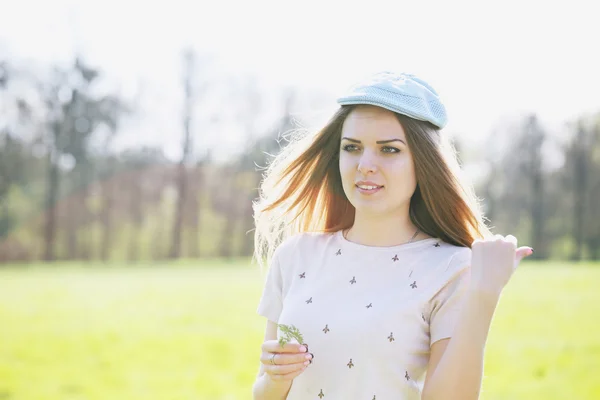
[289, 332]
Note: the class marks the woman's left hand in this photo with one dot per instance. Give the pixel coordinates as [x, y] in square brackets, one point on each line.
[493, 262]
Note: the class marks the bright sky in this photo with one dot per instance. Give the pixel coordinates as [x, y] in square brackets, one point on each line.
[485, 60]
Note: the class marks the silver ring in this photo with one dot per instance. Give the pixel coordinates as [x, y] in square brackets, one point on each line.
[273, 359]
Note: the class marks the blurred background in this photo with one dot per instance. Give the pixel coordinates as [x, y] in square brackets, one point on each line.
[132, 137]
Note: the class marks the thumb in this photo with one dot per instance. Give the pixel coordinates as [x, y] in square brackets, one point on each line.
[523, 252]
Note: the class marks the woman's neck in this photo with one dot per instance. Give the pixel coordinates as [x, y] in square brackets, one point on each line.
[383, 233]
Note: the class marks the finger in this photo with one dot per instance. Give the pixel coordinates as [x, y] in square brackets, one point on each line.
[511, 239]
[284, 369]
[284, 358]
[523, 252]
[273, 346]
[287, 377]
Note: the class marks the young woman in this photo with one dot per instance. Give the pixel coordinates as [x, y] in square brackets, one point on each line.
[378, 255]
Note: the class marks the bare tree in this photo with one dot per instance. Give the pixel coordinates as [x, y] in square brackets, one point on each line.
[579, 157]
[262, 150]
[136, 208]
[514, 190]
[192, 209]
[581, 171]
[182, 183]
[533, 142]
[75, 112]
[592, 227]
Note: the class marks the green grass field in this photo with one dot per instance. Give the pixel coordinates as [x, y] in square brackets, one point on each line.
[185, 331]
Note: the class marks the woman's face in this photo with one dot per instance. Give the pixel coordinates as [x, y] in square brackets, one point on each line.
[374, 151]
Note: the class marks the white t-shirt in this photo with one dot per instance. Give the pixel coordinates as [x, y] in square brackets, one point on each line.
[368, 314]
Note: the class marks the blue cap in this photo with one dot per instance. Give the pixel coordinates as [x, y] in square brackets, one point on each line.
[399, 92]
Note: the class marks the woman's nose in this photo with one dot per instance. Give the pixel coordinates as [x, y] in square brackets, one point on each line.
[367, 164]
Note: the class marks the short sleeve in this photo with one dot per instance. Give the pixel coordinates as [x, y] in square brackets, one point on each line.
[271, 302]
[446, 304]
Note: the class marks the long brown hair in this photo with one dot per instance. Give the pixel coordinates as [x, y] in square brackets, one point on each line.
[302, 191]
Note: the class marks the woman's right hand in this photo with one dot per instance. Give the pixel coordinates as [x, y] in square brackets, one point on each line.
[289, 361]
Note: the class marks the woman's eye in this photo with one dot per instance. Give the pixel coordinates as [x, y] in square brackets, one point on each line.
[385, 149]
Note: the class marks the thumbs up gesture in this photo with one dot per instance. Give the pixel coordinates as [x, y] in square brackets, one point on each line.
[493, 261]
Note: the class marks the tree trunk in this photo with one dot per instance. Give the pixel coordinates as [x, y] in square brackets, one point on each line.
[182, 170]
[157, 250]
[593, 245]
[248, 227]
[136, 212]
[52, 182]
[73, 215]
[247, 218]
[193, 212]
[106, 220]
[179, 211]
[230, 212]
[86, 240]
[537, 211]
[580, 186]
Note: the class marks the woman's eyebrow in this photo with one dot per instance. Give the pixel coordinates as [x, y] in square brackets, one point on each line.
[378, 142]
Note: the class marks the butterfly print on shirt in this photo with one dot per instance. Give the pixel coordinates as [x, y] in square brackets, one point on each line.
[406, 376]
[309, 301]
[353, 281]
[370, 305]
[326, 329]
[350, 364]
[321, 395]
[339, 252]
[391, 337]
[436, 245]
[395, 258]
[413, 285]
[303, 275]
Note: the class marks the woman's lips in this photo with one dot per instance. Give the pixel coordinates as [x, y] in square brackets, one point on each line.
[369, 191]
